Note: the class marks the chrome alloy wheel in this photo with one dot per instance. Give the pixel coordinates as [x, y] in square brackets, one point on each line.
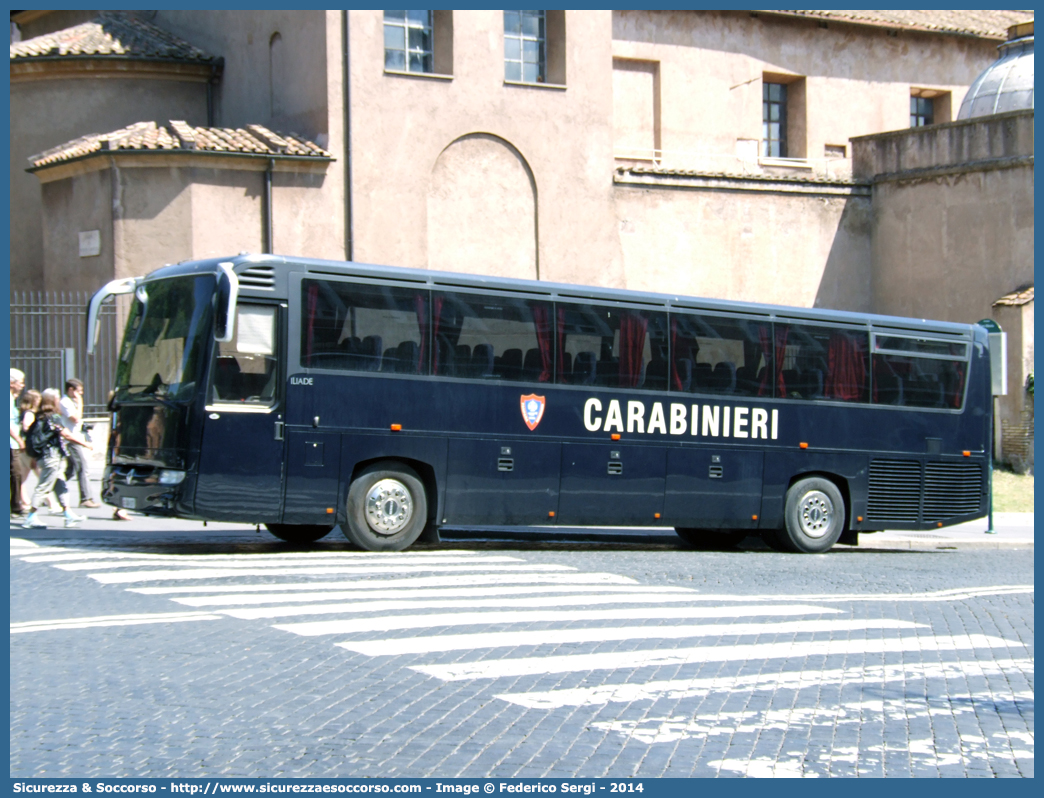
[816, 514]
[389, 507]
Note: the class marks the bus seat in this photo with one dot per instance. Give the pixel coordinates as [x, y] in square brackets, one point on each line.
[683, 366]
[511, 364]
[585, 368]
[482, 361]
[446, 358]
[746, 381]
[566, 366]
[390, 360]
[725, 377]
[656, 372]
[370, 352]
[792, 381]
[702, 376]
[409, 352]
[532, 366]
[813, 380]
[607, 372]
[462, 357]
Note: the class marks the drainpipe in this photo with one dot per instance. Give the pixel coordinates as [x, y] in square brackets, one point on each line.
[349, 233]
[215, 68]
[266, 211]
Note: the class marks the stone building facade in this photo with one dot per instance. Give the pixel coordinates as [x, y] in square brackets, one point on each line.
[699, 152]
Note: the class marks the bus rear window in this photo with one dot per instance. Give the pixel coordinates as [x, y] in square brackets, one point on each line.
[352, 327]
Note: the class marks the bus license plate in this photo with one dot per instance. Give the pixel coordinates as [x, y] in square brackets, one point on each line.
[128, 503]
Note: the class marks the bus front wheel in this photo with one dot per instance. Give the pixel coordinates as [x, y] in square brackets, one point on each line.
[299, 533]
[814, 516]
[387, 508]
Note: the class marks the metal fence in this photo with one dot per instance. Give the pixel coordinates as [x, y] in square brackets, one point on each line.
[48, 343]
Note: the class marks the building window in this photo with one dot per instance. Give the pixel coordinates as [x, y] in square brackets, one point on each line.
[922, 111]
[408, 41]
[525, 38]
[774, 120]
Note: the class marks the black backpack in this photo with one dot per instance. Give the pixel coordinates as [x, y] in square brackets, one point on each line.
[38, 438]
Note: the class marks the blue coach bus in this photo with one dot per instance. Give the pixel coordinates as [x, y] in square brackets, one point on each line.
[305, 394]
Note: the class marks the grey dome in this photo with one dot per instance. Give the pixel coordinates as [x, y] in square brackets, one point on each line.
[1006, 85]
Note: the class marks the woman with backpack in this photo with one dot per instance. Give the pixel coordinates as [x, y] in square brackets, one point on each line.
[45, 441]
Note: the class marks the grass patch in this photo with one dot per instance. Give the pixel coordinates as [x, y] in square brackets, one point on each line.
[1012, 493]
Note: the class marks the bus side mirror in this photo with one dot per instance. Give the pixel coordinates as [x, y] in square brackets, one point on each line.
[124, 286]
[225, 313]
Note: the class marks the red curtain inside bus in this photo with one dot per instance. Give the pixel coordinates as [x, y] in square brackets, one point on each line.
[633, 328]
[846, 367]
[542, 321]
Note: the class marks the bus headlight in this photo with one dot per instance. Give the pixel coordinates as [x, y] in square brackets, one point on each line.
[168, 476]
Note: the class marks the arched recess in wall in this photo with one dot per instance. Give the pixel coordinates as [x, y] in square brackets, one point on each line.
[482, 210]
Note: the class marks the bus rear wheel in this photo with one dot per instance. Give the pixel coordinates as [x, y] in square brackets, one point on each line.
[814, 516]
[299, 533]
[387, 508]
[712, 539]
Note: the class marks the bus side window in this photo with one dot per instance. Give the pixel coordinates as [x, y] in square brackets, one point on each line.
[484, 337]
[613, 347]
[822, 363]
[720, 355]
[352, 327]
[246, 368]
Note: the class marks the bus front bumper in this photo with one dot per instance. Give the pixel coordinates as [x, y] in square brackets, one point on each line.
[145, 489]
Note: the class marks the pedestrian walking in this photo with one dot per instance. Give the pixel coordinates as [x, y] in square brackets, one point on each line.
[17, 445]
[72, 416]
[28, 406]
[46, 441]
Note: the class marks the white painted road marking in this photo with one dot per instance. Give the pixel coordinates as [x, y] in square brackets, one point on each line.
[389, 622]
[111, 620]
[795, 649]
[464, 642]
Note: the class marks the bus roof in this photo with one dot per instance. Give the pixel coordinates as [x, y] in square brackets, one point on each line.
[283, 265]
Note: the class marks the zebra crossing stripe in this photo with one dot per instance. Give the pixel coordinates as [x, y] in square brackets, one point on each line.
[562, 603]
[678, 689]
[528, 578]
[111, 620]
[795, 649]
[218, 561]
[573, 592]
[124, 578]
[464, 642]
[384, 623]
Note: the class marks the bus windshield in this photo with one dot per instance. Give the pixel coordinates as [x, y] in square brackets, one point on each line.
[165, 341]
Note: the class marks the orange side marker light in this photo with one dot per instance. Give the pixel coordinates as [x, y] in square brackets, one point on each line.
[656, 515]
[329, 510]
[966, 453]
[859, 518]
[396, 427]
[753, 518]
[551, 514]
[615, 436]
[803, 445]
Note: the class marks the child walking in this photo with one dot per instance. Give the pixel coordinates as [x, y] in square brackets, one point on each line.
[46, 441]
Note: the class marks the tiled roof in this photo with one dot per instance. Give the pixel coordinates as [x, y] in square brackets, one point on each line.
[113, 34]
[182, 137]
[990, 24]
[762, 177]
[1023, 297]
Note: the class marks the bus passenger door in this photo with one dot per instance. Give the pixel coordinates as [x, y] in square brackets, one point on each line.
[241, 454]
[612, 485]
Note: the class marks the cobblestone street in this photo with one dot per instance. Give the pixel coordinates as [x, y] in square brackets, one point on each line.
[140, 654]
